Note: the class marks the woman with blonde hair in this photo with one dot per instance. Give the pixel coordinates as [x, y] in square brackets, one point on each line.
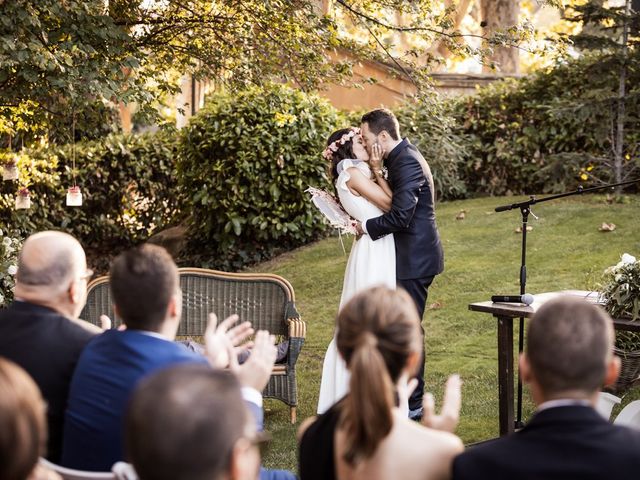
[366, 435]
[23, 426]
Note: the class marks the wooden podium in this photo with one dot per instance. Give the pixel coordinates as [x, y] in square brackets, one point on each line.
[504, 314]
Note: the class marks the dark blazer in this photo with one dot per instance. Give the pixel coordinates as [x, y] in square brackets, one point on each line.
[561, 443]
[47, 345]
[412, 217]
[107, 373]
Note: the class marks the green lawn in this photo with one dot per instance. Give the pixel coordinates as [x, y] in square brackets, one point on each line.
[482, 257]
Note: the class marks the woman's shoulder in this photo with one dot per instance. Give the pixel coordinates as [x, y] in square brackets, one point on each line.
[349, 168]
[351, 163]
[437, 440]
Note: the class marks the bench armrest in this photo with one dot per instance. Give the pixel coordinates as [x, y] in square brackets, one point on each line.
[297, 334]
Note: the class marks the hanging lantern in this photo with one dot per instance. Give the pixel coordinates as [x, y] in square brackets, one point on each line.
[10, 170]
[23, 199]
[74, 197]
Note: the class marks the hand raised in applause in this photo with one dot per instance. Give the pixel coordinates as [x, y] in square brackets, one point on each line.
[223, 342]
[255, 372]
[450, 413]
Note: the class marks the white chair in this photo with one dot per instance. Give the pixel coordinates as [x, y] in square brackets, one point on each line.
[605, 404]
[121, 471]
[630, 415]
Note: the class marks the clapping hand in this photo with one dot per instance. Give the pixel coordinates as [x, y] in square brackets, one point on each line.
[223, 342]
[255, 372]
[450, 413]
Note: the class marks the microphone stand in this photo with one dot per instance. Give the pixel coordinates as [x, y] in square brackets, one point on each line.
[525, 210]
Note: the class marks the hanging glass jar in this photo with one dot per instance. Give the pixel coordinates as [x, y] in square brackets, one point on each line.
[23, 199]
[74, 197]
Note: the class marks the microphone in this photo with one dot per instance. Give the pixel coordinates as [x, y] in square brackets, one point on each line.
[527, 298]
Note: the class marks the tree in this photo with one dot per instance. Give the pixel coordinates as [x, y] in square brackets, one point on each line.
[59, 55]
[501, 16]
[613, 32]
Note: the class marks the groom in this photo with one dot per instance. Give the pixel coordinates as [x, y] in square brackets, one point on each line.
[412, 218]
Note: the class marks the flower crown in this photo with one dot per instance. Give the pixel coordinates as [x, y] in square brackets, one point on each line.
[333, 147]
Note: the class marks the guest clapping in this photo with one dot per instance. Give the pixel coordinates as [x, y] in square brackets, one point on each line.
[366, 435]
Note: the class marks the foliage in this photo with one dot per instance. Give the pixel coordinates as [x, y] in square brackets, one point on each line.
[431, 127]
[127, 182]
[61, 55]
[612, 31]
[621, 288]
[548, 132]
[246, 160]
[9, 249]
[620, 293]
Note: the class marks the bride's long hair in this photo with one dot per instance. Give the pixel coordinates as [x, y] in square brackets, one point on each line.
[378, 330]
[343, 151]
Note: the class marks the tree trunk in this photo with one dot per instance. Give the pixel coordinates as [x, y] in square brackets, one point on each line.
[499, 15]
[621, 114]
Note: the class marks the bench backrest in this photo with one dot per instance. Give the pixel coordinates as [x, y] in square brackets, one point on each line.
[266, 300]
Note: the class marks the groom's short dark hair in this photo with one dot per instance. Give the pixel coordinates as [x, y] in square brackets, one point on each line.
[382, 119]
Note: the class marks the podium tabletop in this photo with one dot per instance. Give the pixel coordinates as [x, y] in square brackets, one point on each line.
[517, 310]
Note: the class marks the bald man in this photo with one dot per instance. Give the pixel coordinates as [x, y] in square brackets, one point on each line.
[40, 330]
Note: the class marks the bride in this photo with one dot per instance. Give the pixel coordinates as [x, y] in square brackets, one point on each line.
[363, 194]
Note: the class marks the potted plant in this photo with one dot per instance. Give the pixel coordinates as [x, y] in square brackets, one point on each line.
[620, 295]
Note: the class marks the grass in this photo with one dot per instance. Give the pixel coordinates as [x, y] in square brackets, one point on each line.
[482, 257]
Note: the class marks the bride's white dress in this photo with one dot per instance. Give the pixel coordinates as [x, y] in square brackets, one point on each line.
[370, 263]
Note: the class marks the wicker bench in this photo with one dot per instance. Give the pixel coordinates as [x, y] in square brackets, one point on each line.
[267, 301]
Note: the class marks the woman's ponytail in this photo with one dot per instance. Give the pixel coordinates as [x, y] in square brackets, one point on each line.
[378, 329]
[367, 414]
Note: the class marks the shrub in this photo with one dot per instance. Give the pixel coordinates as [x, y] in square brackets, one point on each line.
[9, 249]
[430, 126]
[246, 160]
[546, 132]
[128, 187]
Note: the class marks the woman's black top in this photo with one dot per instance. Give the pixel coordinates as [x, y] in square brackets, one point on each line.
[317, 449]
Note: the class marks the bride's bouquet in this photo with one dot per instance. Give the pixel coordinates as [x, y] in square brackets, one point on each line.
[332, 211]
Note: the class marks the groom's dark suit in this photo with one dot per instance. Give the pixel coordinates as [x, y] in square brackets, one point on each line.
[412, 220]
[559, 443]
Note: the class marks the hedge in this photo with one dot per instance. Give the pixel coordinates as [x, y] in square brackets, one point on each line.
[246, 160]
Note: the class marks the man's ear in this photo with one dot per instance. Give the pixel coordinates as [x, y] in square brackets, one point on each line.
[525, 368]
[74, 294]
[172, 308]
[613, 370]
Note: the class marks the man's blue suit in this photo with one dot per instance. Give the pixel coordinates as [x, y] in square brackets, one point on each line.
[108, 370]
[107, 373]
[412, 220]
